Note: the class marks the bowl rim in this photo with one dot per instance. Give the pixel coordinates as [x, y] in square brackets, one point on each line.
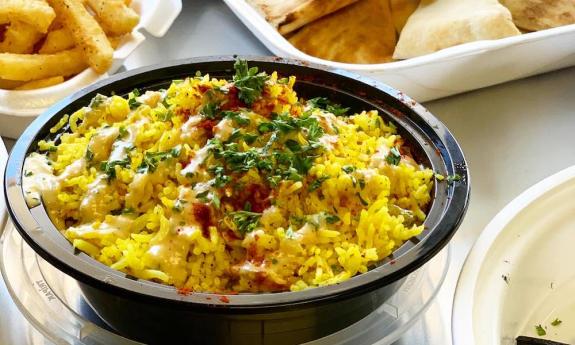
[39, 232]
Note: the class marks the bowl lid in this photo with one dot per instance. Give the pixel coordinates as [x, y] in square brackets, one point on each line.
[428, 137]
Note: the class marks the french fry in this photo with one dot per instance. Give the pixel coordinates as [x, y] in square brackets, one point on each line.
[116, 18]
[26, 67]
[86, 32]
[34, 12]
[38, 84]
[115, 41]
[19, 38]
[57, 41]
[10, 84]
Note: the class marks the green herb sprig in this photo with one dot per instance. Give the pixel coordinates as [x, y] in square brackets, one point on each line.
[248, 81]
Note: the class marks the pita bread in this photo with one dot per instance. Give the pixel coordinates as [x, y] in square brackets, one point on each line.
[439, 24]
[361, 33]
[309, 12]
[290, 15]
[541, 14]
[401, 10]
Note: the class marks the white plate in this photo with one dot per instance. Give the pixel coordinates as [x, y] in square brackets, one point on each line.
[3, 159]
[19, 108]
[531, 243]
[453, 70]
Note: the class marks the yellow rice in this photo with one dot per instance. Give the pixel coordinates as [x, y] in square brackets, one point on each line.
[143, 223]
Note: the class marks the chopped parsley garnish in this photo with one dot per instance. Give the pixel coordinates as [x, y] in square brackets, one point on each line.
[393, 157]
[362, 200]
[97, 101]
[289, 233]
[348, 169]
[179, 205]
[556, 322]
[293, 145]
[453, 178]
[248, 81]
[203, 196]
[249, 138]
[317, 183]
[290, 161]
[166, 115]
[132, 102]
[221, 178]
[331, 218]
[28, 173]
[245, 221]
[327, 105]
[540, 331]
[152, 159]
[237, 117]
[216, 200]
[109, 168]
[210, 110]
[89, 155]
[122, 132]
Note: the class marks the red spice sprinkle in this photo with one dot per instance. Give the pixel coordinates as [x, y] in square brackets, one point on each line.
[233, 102]
[224, 299]
[257, 195]
[184, 291]
[202, 215]
[208, 125]
[184, 111]
[209, 298]
[203, 88]
[392, 262]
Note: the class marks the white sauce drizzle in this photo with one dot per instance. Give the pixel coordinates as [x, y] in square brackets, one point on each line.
[195, 163]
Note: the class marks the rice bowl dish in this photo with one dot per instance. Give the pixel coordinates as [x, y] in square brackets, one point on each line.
[225, 186]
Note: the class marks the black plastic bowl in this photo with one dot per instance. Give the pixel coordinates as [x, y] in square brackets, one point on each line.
[156, 313]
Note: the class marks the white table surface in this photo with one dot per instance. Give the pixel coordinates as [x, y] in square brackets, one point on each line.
[513, 136]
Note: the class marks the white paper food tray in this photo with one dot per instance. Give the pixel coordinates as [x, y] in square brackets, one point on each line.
[19, 108]
[447, 72]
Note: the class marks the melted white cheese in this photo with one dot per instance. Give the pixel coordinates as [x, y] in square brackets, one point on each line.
[328, 141]
[189, 129]
[118, 226]
[150, 98]
[224, 129]
[378, 158]
[195, 163]
[38, 180]
[101, 143]
[94, 203]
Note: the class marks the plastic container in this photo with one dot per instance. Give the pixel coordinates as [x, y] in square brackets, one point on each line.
[19, 108]
[447, 72]
[519, 274]
[145, 310]
[53, 303]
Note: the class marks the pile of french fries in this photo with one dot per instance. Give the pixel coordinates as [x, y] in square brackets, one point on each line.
[45, 42]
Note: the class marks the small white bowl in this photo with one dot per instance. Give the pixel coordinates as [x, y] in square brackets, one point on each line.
[19, 108]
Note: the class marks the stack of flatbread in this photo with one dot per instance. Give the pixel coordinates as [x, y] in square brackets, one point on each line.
[377, 31]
